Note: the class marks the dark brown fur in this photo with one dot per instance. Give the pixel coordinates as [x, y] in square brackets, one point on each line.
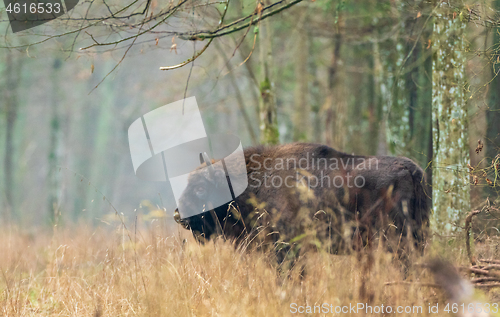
[338, 218]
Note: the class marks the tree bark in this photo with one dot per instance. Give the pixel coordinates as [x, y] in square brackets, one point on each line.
[55, 151]
[269, 133]
[382, 98]
[493, 114]
[12, 73]
[398, 114]
[330, 101]
[451, 190]
[301, 124]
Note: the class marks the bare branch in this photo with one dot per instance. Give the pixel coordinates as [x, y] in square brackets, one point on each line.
[196, 36]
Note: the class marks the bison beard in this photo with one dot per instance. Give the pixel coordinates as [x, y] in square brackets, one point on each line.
[310, 195]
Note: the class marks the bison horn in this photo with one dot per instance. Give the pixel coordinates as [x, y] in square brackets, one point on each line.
[179, 220]
[205, 159]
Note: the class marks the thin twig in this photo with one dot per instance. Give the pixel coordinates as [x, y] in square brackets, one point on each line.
[196, 55]
[189, 60]
[141, 32]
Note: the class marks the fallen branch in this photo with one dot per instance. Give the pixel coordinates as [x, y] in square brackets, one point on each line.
[487, 285]
[412, 283]
[490, 277]
[485, 279]
[468, 221]
[475, 270]
[491, 267]
[489, 261]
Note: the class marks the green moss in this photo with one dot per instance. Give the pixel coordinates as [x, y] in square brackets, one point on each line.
[265, 85]
[271, 135]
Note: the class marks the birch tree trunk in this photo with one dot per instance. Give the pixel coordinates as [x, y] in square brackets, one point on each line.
[398, 115]
[268, 125]
[398, 126]
[450, 181]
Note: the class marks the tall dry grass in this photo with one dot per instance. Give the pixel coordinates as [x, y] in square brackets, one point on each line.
[80, 271]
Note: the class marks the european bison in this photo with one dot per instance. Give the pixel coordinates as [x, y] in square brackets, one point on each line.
[311, 194]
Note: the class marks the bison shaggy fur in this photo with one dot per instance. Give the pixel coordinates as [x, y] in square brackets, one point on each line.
[310, 194]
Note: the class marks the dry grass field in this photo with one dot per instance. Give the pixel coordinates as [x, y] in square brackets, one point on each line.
[152, 271]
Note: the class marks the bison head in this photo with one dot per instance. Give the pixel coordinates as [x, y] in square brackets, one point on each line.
[207, 188]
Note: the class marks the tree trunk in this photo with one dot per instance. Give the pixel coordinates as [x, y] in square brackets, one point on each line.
[55, 151]
[398, 114]
[269, 133]
[450, 181]
[301, 124]
[422, 131]
[316, 99]
[382, 99]
[373, 105]
[493, 114]
[12, 74]
[330, 100]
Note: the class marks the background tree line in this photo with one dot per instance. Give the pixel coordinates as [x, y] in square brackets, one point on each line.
[411, 78]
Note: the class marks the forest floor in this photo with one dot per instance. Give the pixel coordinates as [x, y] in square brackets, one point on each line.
[80, 271]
